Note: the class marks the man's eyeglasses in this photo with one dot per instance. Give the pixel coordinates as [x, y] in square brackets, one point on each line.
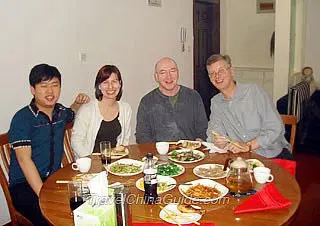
[221, 72]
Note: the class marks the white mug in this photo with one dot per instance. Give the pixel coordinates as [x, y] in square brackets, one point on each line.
[82, 164]
[262, 175]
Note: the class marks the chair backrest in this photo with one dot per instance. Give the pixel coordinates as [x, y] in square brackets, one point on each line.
[4, 171]
[292, 121]
[68, 156]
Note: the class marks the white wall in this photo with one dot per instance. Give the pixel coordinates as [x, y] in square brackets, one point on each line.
[312, 37]
[245, 35]
[130, 34]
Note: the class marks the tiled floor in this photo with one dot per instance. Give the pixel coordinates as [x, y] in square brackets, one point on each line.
[308, 177]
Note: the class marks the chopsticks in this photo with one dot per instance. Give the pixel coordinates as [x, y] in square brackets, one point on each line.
[227, 139]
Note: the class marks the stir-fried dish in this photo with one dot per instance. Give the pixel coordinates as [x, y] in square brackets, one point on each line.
[124, 168]
[185, 156]
[191, 144]
[253, 163]
[169, 169]
[200, 191]
[211, 171]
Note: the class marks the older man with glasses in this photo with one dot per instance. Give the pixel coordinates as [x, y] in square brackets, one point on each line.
[244, 114]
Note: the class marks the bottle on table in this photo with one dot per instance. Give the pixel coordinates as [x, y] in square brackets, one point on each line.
[150, 180]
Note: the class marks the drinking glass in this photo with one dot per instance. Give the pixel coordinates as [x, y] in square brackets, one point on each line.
[75, 193]
[105, 150]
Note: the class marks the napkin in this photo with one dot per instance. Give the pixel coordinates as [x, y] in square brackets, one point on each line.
[267, 198]
[212, 148]
[289, 165]
[167, 224]
[98, 185]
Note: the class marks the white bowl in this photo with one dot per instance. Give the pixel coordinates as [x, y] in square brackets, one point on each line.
[162, 147]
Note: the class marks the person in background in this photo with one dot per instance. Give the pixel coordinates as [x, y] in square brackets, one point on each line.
[36, 137]
[170, 112]
[244, 113]
[104, 119]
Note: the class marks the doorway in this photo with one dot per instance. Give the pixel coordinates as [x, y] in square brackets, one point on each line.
[206, 26]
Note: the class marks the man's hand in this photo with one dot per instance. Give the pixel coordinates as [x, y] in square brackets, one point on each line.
[80, 99]
[237, 147]
[219, 141]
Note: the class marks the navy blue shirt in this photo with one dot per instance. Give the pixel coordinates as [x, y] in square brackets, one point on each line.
[32, 128]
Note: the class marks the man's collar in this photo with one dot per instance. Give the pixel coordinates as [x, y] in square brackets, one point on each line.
[35, 110]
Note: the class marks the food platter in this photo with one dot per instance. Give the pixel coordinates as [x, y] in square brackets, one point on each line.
[125, 167]
[119, 152]
[203, 190]
[172, 215]
[170, 169]
[252, 163]
[186, 156]
[210, 171]
[189, 144]
[165, 183]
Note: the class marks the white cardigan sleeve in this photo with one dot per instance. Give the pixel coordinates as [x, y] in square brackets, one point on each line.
[79, 131]
[125, 121]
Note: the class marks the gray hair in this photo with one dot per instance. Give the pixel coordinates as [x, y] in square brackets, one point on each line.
[217, 57]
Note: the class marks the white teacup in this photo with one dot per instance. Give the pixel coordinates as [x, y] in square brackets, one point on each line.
[162, 147]
[82, 164]
[262, 175]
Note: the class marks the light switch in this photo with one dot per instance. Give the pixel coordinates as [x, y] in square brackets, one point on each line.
[154, 3]
[82, 56]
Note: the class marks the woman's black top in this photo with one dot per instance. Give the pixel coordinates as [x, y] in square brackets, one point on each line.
[108, 131]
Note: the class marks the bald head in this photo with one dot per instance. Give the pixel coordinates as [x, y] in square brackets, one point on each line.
[164, 61]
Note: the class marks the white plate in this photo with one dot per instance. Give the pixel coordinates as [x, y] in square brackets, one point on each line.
[206, 182]
[171, 214]
[208, 166]
[187, 150]
[161, 179]
[115, 155]
[212, 148]
[126, 162]
[182, 169]
[252, 162]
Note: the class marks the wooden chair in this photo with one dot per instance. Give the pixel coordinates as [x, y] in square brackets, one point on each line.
[292, 121]
[68, 156]
[16, 217]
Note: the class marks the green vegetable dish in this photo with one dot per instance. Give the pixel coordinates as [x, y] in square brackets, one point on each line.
[170, 169]
[124, 168]
[185, 155]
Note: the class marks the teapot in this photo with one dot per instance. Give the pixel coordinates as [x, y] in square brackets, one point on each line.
[239, 178]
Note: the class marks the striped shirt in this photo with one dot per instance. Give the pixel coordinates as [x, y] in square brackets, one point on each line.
[249, 114]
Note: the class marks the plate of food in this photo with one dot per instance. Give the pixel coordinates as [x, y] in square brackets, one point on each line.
[210, 171]
[186, 156]
[165, 183]
[253, 163]
[174, 214]
[170, 169]
[125, 167]
[119, 152]
[203, 190]
[189, 144]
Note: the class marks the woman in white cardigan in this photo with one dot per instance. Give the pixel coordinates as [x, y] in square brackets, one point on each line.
[106, 118]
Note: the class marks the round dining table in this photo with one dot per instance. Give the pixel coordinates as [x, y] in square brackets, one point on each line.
[54, 202]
